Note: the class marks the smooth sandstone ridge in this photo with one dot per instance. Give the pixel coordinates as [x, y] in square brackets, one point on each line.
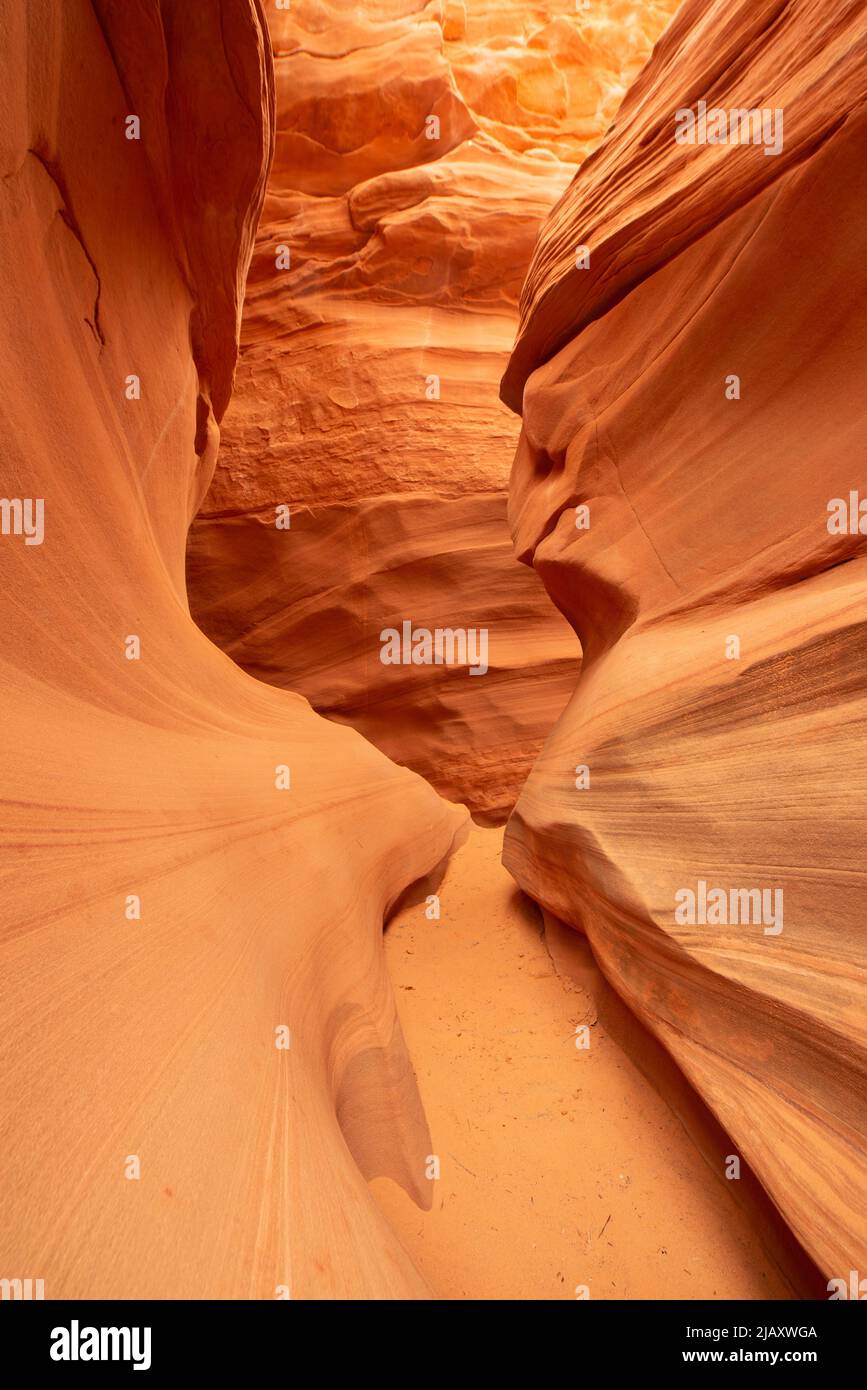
[418, 148]
[201, 1060]
[720, 712]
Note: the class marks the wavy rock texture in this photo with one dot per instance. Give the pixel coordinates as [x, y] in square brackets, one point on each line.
[708, 521]
[407, 257]
[154, 1038]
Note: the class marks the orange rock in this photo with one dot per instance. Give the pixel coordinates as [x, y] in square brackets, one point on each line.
[697, 390]
[416, 157]
[201, 1060]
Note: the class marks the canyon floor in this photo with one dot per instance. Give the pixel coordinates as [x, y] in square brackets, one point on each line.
[560, 1166]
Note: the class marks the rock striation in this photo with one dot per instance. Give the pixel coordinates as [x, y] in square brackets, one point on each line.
[687, 485]
[201, 1059]
[418, 148]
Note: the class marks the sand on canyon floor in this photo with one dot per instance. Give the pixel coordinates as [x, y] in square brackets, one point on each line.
[560, 1167]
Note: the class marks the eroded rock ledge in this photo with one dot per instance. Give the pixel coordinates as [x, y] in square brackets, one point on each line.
[367, 388]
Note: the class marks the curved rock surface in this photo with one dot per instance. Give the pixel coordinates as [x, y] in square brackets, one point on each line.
[416, 155]
[698, 390]
[201, 1060]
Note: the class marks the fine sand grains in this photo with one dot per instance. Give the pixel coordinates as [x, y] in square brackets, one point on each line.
[559, 1167]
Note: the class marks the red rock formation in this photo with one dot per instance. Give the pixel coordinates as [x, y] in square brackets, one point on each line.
[366, 398]
[201, 1064]
[168, 906]
[698, 389]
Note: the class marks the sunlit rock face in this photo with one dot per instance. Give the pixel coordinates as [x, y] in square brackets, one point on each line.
[698, 810]
[200, 1059]
[418, 149]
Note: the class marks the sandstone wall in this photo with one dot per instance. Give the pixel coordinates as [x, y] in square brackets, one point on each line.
[367, 390]
[167, 906]
[699, 389]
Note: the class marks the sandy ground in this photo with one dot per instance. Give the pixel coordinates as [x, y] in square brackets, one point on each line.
[560, 1167]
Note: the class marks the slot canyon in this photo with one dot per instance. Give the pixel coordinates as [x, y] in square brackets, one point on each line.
[434, 656]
